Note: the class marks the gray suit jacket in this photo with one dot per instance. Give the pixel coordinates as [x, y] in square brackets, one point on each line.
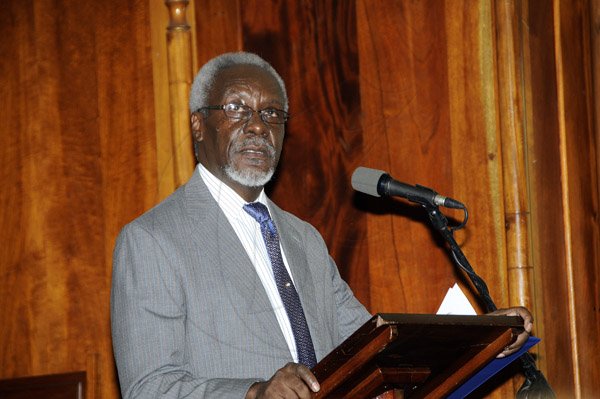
[190, 317]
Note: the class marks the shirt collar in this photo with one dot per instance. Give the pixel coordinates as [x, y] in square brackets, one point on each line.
[229, 201]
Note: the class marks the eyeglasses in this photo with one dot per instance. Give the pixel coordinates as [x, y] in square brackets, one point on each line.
[244, 112]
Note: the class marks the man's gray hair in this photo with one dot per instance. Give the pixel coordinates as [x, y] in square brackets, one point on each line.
[204, 80]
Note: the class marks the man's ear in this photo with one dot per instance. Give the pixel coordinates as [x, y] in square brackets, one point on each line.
[197, 122]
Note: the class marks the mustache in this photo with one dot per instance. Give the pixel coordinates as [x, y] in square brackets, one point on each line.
[259, 142]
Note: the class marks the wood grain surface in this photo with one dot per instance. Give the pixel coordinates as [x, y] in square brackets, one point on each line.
[579, 184]
[78, 161]
[490, 103]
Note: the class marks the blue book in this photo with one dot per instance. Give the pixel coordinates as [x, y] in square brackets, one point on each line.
[490, 370]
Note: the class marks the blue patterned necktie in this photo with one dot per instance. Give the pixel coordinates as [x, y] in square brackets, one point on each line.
[285, 286]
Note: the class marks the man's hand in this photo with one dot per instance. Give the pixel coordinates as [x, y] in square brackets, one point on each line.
[527, 325]
[291, 381]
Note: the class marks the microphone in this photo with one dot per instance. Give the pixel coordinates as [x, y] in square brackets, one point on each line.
[379, 183]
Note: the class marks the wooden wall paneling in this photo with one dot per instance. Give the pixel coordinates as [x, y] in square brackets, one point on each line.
[429, 118]
[475, 139]
[127, 132]
[580, 190]
[78, 126]
[478, 148]
[564, 186]
[536, 306]
[548, 252]
[595, 45]
[13, 274]
[218, 29]
[94, 383]
[404, 102]
[14, 281]
[59, 151]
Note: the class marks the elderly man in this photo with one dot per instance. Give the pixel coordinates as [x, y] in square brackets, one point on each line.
[217, 292]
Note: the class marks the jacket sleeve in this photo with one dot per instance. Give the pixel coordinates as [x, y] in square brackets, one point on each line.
[351, 313]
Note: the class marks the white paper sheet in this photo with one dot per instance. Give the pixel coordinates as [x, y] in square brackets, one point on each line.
[456, 303]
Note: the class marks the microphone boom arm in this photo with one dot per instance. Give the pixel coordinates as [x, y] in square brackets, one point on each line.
[535, 385]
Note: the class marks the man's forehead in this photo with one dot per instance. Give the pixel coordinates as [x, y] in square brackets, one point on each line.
[240, 74]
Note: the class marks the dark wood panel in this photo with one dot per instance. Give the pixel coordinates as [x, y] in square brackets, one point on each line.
[582, 189]
[548, 230]
[212, 41]
[56, 386]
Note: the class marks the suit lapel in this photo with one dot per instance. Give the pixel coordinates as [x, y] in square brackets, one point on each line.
[214, 234]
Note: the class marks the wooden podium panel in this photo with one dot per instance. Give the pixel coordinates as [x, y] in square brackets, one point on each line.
[420, 355]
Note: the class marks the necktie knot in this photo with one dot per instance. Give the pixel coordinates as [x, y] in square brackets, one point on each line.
[261, 214]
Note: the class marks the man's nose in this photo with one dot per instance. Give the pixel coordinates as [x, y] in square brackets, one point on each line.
[256, 125]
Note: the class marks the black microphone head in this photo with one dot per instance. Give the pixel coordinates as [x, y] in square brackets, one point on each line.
[366, 180]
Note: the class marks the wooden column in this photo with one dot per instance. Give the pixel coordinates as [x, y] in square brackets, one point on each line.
[179, 54]
[512, 138]
[511, 107]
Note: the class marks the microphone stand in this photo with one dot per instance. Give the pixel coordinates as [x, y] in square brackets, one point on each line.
[535, 385]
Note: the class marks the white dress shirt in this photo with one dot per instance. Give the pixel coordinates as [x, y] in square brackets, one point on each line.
[248, 231]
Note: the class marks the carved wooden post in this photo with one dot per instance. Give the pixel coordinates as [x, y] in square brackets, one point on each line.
[179, 54]
[512, 136]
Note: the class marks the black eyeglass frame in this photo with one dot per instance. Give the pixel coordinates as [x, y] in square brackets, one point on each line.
[261, 114]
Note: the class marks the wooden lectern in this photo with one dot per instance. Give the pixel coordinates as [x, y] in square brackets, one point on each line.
[413, 355]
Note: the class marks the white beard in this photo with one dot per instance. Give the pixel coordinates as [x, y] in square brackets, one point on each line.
[250, 177]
